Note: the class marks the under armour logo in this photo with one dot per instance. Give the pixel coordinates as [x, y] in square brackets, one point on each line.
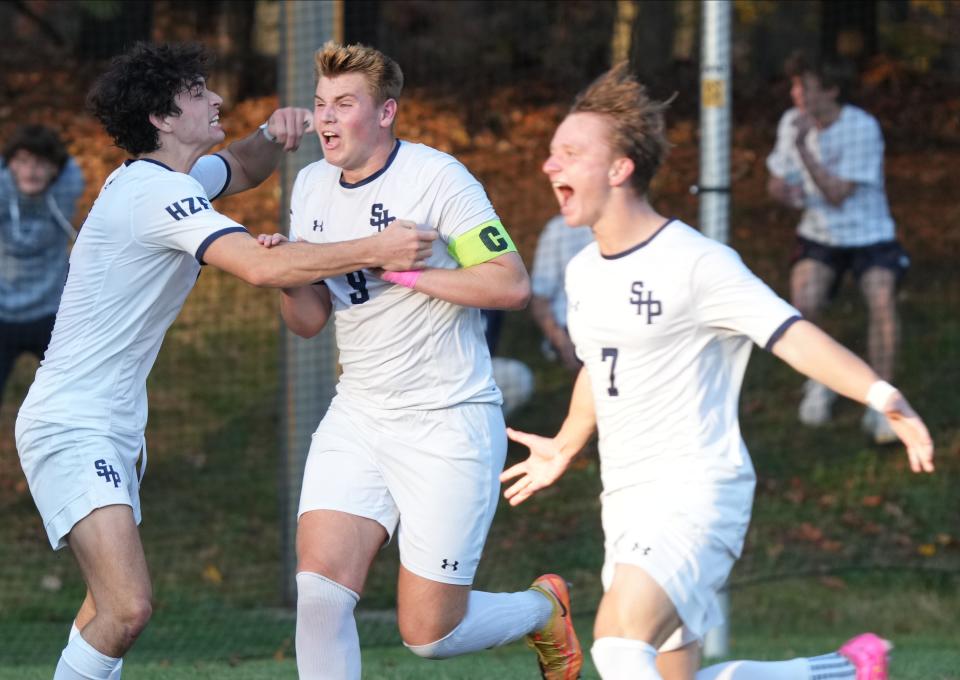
[451, 565]
[636, 547]
[654, 308]
[107, 472]
[380, 218]
[575, 306]
[317, 227]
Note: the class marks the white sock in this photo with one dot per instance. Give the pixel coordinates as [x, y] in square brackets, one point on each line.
[492, 619]
[328, 647]
[80, 661]
[625, 659]
[825, 667]
[74, 631]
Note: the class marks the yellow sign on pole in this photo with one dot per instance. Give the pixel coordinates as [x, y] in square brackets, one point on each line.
[714, 93]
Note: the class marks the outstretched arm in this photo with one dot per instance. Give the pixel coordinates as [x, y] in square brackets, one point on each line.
[298, 264]
[253, 158]
[815, 354]
[549, 458]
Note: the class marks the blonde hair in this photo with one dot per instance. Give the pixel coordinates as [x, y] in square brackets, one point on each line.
[383, 74]
[637, 128]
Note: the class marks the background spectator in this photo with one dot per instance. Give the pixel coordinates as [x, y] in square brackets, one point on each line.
[828, 161]
[39, 188]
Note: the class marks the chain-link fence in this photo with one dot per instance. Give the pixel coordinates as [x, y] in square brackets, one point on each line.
[233, 398]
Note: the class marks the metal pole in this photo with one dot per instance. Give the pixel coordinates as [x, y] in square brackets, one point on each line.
[714, 187]
[308, 378]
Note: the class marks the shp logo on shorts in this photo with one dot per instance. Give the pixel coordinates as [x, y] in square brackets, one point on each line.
[107, 472]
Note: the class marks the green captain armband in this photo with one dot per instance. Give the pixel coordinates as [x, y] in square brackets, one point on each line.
[481, 244]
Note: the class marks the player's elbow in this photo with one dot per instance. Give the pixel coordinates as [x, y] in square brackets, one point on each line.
[517, 296]
[302, 329]
[259, 275]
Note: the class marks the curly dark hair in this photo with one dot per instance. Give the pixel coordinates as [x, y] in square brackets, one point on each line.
[40, 141]
[141, 83]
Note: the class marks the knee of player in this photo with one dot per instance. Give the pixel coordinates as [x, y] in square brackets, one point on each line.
[439, 649]
[428, 639]
[133, 615]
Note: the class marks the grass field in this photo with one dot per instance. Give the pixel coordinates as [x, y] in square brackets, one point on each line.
[796, 617]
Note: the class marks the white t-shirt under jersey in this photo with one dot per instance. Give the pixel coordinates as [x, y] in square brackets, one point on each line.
[665, 331]
[137, 257]
[400, 348]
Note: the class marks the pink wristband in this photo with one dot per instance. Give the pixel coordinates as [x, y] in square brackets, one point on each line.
[407, 278]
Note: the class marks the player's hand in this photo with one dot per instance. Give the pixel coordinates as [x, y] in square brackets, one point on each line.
[912, 432]
[270, 240]
[288, 125]
[402, 246]
[546, 464]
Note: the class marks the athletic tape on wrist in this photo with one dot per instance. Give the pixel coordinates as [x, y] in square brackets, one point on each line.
[407, 278]
[879, 394]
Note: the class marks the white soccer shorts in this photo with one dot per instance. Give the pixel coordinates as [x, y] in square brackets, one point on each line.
[689, 558]
[73, 471]
[436, 473]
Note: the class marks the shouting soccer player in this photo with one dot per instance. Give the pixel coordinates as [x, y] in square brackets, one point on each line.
[80, 430]
[415, 435]
[664, 319]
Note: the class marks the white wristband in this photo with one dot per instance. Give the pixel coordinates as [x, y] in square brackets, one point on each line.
[266, 133]
[879, 394]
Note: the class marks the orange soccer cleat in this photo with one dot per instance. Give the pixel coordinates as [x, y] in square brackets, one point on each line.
[556, 644]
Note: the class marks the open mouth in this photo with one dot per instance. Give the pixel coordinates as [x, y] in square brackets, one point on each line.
[215, 121]
[330, 139]
[564, 193]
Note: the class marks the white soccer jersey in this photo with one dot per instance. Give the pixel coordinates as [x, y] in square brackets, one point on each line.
[851, 149]
[400, 348]
[137, 257]
[665, 331]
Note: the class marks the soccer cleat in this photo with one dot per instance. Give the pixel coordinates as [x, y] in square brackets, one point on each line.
[868, 654]
[878, 427]
[816, 404]
[556, 644]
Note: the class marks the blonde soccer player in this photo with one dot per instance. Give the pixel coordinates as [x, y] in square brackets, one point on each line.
[414, 440]
[664, 320]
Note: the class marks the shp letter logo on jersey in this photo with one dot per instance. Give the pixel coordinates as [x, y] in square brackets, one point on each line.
[644, 300]
[380, 218]
[185, 207]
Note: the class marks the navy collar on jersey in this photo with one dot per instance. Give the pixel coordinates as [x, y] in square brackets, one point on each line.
[639, 245]
[130, 161]
[367, 180]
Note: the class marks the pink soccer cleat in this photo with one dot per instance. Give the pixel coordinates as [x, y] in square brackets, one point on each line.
[868, 653]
